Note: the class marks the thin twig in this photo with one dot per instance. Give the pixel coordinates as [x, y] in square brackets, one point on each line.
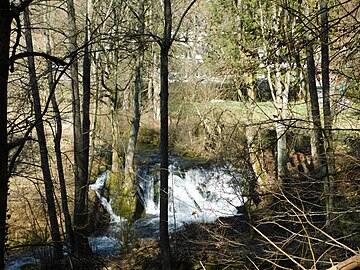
[278, 248]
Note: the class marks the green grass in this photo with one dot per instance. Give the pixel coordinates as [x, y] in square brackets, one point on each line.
[263, 112]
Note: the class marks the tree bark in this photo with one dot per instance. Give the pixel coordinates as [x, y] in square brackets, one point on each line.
[155, 77]
[85, 126]
[261, 178]
[329, 148]
[95, 114]
[5, 22]
[80, 211]
[315, 111]
[115, 122]
[57, 143]
[116, 159]
[281, 99]
[164, 140]
[130, 153]
[49, 188]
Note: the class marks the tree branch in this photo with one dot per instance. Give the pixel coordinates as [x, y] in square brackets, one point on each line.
[181, 20]
[18, 142]
[349, 264]
[54, 59]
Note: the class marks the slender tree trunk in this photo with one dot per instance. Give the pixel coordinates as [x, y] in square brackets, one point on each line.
[57, 143]
[315, 112]
[60, 169]
[85, 126]
[130, 175]
[5, 22]
[280, 101]
[155, 94]
[116, 159]
[80, 213]
[49, 188]
[164, 140]
[130, 153]
[317, 138]
[329, 148]
[115, 121]
[261, 177]
[115, 143]
[95, 114]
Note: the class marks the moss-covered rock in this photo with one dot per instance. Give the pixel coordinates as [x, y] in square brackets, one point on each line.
[122, 195]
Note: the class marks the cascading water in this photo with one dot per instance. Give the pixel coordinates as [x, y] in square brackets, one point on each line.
[107, 244]
[197, 193]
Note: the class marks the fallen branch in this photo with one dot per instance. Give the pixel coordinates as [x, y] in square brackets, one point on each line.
[348, 264]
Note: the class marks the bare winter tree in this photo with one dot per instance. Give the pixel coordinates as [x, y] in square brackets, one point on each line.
[7, 14]
[81, 133]
[165, 45]
[45, 165]
[57, 138]
[328, 142]
[5, 21]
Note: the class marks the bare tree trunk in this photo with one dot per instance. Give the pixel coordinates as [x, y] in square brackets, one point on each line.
[281, 100]
[165, 45]
[315, 112]
[156, 89]
[115, 121]
[130, 153]
[115, 143]
[164, 140]
[5, 22]
[86, 124]
[317, 138]
[261, 177]
[49, 188]
[57, 143]
[329, 148]
[95, 114]
[80, 211]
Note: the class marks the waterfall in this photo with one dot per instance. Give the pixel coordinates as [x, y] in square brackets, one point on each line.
[98, 186]
[200, 194]
[196, 194]
[107, 244]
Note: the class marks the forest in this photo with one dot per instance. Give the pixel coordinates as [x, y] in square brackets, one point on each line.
[193, 134]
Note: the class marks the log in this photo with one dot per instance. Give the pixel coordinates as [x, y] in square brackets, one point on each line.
[348, 264]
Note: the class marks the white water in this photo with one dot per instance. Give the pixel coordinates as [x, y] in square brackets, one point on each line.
[200, 194]
[195, 195]
[115, 220]
[108, 244]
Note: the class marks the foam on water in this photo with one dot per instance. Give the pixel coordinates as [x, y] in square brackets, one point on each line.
[195, 194]
[115, 220]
